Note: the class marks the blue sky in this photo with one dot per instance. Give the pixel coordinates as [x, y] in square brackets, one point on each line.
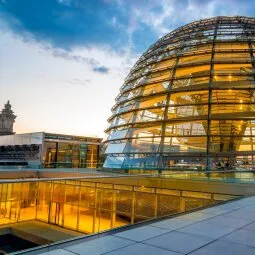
[62, 62]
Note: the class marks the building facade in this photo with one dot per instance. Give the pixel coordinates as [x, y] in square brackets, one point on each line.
[48, 150]
[189, 102]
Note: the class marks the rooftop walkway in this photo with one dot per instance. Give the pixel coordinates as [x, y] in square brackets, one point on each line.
[227, 229]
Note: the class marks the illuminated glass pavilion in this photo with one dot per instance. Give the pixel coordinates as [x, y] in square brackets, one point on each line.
[188, 103]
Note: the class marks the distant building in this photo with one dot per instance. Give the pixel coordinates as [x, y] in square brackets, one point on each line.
[7, 118]
[48, 150]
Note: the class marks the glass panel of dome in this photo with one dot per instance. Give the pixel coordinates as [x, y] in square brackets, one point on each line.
[163, 64]
[120, 120]
[190, 48]
[231, 46]
[230, 81]
[113, 162]
[189, 162]
[232, 69]
[233, 96]
[117, 134]
[152, 101]
[159, 76]
[230, 144]
[232, 57]
[143, 145]
[137, 161]
[154, 88]
[145, 132]
[191, 81]
[192, 71]
[176, 112]
[125, 107]
[185, 144]
[195, 59]
[115, 148]
[186, 128]
[189, 98]
[153, 114]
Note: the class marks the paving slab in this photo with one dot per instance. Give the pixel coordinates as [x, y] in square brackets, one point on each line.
[179, 242]
[224, 248]
[196, 216]
[241, 214]
[140, 248]
[208, 230]
[228, 221]
[173, 224]
[250, 227]
[99, 245]
[58, 252]
[141, 233]
[241, 236]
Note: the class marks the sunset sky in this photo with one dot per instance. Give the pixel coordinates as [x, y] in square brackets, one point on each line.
[62, 62]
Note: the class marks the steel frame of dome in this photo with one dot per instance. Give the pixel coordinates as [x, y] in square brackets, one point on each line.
[188, 102]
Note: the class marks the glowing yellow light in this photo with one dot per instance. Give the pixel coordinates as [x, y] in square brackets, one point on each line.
[230, 90]
[241, 100]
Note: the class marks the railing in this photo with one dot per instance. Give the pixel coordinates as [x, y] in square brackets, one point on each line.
[89, 206]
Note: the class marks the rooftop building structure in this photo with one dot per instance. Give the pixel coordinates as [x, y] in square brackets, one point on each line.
[49, 150]
[188, 102]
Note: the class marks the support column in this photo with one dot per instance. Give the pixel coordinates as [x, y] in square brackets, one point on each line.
[156, 206]
[114, 200]
[182, 204]
[95, 211]
[165, 117]
[133, 207]
[208, 134]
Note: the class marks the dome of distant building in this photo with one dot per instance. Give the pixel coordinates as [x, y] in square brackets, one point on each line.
[188, 102]
[7, 119]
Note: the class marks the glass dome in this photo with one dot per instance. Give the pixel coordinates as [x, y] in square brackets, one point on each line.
[188, 102]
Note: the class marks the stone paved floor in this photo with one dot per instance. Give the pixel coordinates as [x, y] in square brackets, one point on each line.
[227, 229]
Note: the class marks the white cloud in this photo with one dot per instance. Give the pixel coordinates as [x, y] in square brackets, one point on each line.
[165, 15]
[56, 94]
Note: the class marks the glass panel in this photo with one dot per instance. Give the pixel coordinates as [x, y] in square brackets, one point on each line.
[145, 132]
[115, 148]
[192, 71]
[177, 112]
[201, 82]
[138, 161]
[233, 81]
[113, 161]
[195, 59]
[187, 128]
[143, 145]
[49, 154]
[231, 46]
[185, 144]
[231, 69]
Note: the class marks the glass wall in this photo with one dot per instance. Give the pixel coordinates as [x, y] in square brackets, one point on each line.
[193, 101]
[93, 206]
[70, 155]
